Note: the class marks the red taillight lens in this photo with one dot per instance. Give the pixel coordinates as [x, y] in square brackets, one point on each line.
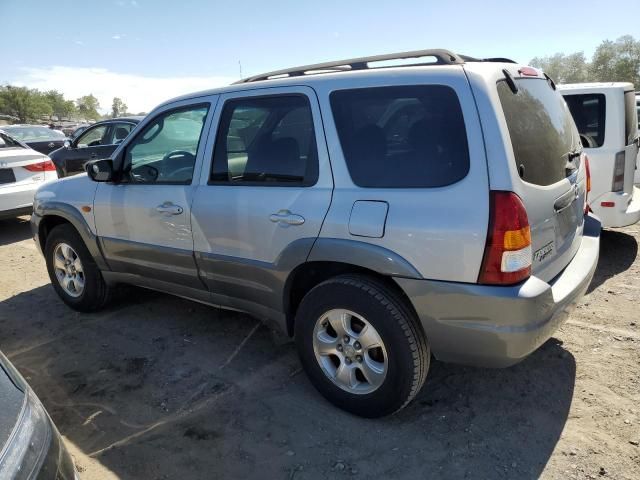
[46, 166]
[587, 169]
[528, 72]
[507, 254]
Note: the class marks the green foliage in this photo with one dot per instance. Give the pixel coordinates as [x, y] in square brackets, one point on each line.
[617, 61]
[23, 103]
[88, 107]
[118, 108]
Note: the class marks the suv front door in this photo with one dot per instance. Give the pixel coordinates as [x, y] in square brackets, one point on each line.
[264, 192]
[144, 221]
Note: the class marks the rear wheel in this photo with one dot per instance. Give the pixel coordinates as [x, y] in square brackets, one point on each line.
[73, 273]
[360, 345]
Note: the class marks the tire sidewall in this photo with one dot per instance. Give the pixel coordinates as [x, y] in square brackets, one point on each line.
[67, 234]
[378, 309]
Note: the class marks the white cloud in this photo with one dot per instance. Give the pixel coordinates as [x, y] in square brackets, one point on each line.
[140, 93]
[117, 37]
[79, 42]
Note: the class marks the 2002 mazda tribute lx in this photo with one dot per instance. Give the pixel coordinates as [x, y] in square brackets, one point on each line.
[377, 214]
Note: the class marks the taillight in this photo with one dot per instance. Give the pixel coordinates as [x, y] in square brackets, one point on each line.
[587, 169]
[507, 254]
[618, 173]
[46, 166]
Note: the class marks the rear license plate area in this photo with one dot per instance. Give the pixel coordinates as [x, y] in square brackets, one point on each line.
[7, 175]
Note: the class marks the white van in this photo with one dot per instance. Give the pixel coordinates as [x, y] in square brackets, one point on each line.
[606, 117]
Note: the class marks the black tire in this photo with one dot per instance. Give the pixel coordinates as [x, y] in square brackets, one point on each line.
[406, 345]
[96, 292]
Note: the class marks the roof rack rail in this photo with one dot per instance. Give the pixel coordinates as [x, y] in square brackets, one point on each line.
[443, 57]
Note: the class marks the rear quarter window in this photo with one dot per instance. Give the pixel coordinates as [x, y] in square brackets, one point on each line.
[631, 126]
[543, 134]
[402, 137]
[589, 114]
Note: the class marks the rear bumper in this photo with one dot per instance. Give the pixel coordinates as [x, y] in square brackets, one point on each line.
[498, 326]
[18, 198]
[626, 211]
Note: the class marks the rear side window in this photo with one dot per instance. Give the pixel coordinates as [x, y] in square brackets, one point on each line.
[589, 113]
[267, 141]
[543, 135]
[7, 142]
[631, 126]
[402, 137]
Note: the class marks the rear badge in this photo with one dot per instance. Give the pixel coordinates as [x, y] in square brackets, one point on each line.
[544, 252]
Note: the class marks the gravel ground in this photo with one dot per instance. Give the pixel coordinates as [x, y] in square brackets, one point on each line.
[157, 387]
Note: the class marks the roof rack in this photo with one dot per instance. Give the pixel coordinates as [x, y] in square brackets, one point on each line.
[443, 57]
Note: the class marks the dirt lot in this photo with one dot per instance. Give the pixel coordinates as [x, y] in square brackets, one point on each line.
[158, 387]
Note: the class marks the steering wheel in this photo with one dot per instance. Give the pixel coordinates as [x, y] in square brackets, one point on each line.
[182, 170]
[587, 141]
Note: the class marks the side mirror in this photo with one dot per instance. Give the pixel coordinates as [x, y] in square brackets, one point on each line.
[67, 143]
[100, 170]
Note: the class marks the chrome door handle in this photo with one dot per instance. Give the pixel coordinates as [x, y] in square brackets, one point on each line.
[285, 218]
[169, 209]
[51, 145]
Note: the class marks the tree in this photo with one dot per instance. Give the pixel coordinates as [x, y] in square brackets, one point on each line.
[118, 107]
[572, 68]
[88, 107]
[24, 103]
[617, 61]
[60, 107]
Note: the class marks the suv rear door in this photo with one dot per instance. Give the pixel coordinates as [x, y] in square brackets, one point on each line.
[264, 191]
[545, 162]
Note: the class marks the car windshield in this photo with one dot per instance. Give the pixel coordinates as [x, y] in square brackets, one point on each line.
[7, 142]
[34, 133]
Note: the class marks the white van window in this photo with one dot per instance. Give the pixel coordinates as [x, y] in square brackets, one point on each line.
[589, 113]
[631, 126]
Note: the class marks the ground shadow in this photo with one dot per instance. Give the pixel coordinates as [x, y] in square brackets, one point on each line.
[14, 230]
[159, 387]
[618, 251]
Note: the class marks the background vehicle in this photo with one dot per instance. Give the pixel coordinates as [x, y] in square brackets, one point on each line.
[606, 118]
[96, 141]
[30, 445]
[41, 139]
[22, 171]
[358, 211]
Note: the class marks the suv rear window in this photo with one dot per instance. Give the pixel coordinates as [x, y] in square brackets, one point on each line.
[402, 137]
[631, 126]
[589, 113]
[542, 131]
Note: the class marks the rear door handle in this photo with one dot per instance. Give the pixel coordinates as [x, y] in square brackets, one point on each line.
[169, 208]
[286, 218]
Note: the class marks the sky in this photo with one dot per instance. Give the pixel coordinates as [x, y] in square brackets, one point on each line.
[147, 51]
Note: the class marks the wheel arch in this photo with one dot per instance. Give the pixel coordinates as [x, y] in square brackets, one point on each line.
[48, 215]
[333, 257]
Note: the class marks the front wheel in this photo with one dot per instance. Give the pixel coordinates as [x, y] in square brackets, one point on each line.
[361, 345]
[73, 273]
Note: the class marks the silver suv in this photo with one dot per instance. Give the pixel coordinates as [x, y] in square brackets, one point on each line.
[377, 213]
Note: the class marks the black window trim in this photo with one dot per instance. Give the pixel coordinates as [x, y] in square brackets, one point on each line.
[306, 183]
[409, 85]
[123, 153]
[601, 97]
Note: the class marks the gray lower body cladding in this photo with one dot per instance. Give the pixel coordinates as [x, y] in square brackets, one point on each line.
[496, 326]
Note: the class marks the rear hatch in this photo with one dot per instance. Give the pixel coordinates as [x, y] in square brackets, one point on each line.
[547, 159]
[19, 165]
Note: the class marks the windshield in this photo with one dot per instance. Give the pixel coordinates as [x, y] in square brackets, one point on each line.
[7, 142]
[34, 133]
[545, 141]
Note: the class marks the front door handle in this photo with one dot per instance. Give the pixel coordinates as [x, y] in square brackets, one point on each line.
[169, 208]
[286, 218]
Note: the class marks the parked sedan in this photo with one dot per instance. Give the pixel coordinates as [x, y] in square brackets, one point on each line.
[97, 141]
[41, 139]
[30, 445]
[22, 171]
